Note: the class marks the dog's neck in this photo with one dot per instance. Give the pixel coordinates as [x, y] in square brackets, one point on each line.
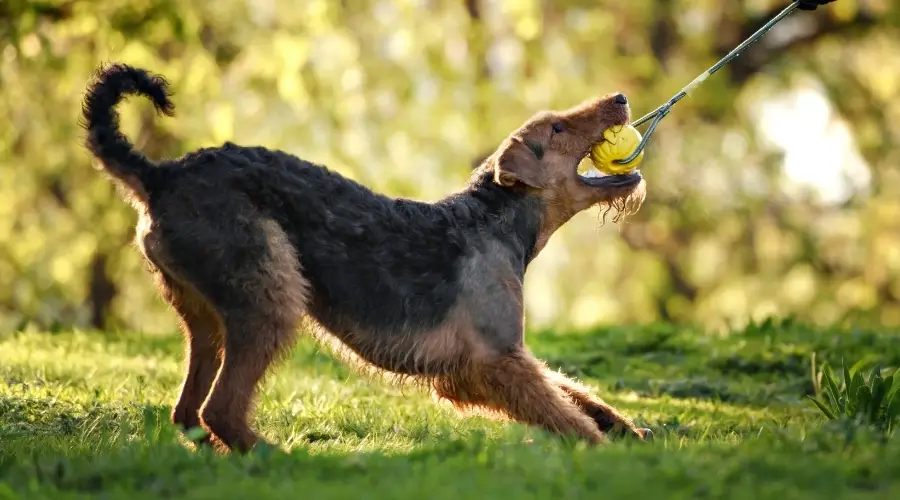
[511, 216]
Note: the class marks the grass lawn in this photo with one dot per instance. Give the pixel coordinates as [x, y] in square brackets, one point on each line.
[86, 415]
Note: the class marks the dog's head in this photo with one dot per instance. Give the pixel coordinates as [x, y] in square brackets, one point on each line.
[543, 155]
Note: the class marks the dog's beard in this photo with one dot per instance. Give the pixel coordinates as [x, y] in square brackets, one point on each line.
[624, 206]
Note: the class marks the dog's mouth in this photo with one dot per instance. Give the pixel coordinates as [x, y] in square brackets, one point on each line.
[597, 179]
[594, 178]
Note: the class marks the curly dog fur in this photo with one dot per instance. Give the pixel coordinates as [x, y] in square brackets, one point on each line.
[245, 242]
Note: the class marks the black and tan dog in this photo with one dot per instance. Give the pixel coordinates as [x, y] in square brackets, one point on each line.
[246, 242]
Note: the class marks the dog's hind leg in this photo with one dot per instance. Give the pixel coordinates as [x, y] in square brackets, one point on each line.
[203, 330]
[265, 304]
[248, 270]
[253, 344]
[200, 323]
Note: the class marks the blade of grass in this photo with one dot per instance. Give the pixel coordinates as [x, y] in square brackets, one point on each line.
[864, 396]
[828, 413]
[878, 392]
[816, 375]
[845, 372]
[853, 392]
[831, 388]
[893, 408]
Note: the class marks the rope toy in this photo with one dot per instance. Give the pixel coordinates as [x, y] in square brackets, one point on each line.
[622, 149]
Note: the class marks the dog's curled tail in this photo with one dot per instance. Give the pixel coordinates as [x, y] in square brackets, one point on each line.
[104, 139]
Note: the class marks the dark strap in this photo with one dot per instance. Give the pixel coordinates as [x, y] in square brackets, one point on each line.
[811, 4]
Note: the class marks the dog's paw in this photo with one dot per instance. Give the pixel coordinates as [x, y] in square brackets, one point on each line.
[636, 433]
[644, 433]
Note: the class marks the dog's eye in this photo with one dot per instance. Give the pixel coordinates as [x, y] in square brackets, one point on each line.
[558, 127]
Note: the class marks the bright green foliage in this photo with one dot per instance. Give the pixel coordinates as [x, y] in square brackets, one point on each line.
[86, 415]
[404, 95]
[868, 399]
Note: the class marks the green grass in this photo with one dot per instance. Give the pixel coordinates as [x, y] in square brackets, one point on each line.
[85, 415]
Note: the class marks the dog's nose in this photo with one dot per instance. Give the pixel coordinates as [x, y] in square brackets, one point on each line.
[620, 99]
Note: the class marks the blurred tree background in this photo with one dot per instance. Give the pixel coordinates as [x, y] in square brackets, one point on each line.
[773, 190]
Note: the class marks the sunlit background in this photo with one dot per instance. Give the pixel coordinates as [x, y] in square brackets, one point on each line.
[774, 189]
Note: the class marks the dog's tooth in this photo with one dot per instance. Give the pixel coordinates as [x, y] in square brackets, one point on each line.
[592, 172]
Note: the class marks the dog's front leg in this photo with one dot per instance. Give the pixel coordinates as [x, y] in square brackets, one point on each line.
[494, 369]
[608, 419]
[514, 384]
[497, 372]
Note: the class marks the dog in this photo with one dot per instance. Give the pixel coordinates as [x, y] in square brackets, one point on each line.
[245, 243]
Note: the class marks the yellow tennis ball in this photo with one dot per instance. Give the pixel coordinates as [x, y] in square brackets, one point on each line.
[620, 141]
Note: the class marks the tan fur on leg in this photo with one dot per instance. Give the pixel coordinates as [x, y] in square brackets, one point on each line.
[203, 331]
[515, 385]
[607, 418]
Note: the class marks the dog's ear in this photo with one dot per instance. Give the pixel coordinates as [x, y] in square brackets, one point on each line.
[516, 162]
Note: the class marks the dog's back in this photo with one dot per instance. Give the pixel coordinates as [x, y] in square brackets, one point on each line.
[371, 261]
[356, 259]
